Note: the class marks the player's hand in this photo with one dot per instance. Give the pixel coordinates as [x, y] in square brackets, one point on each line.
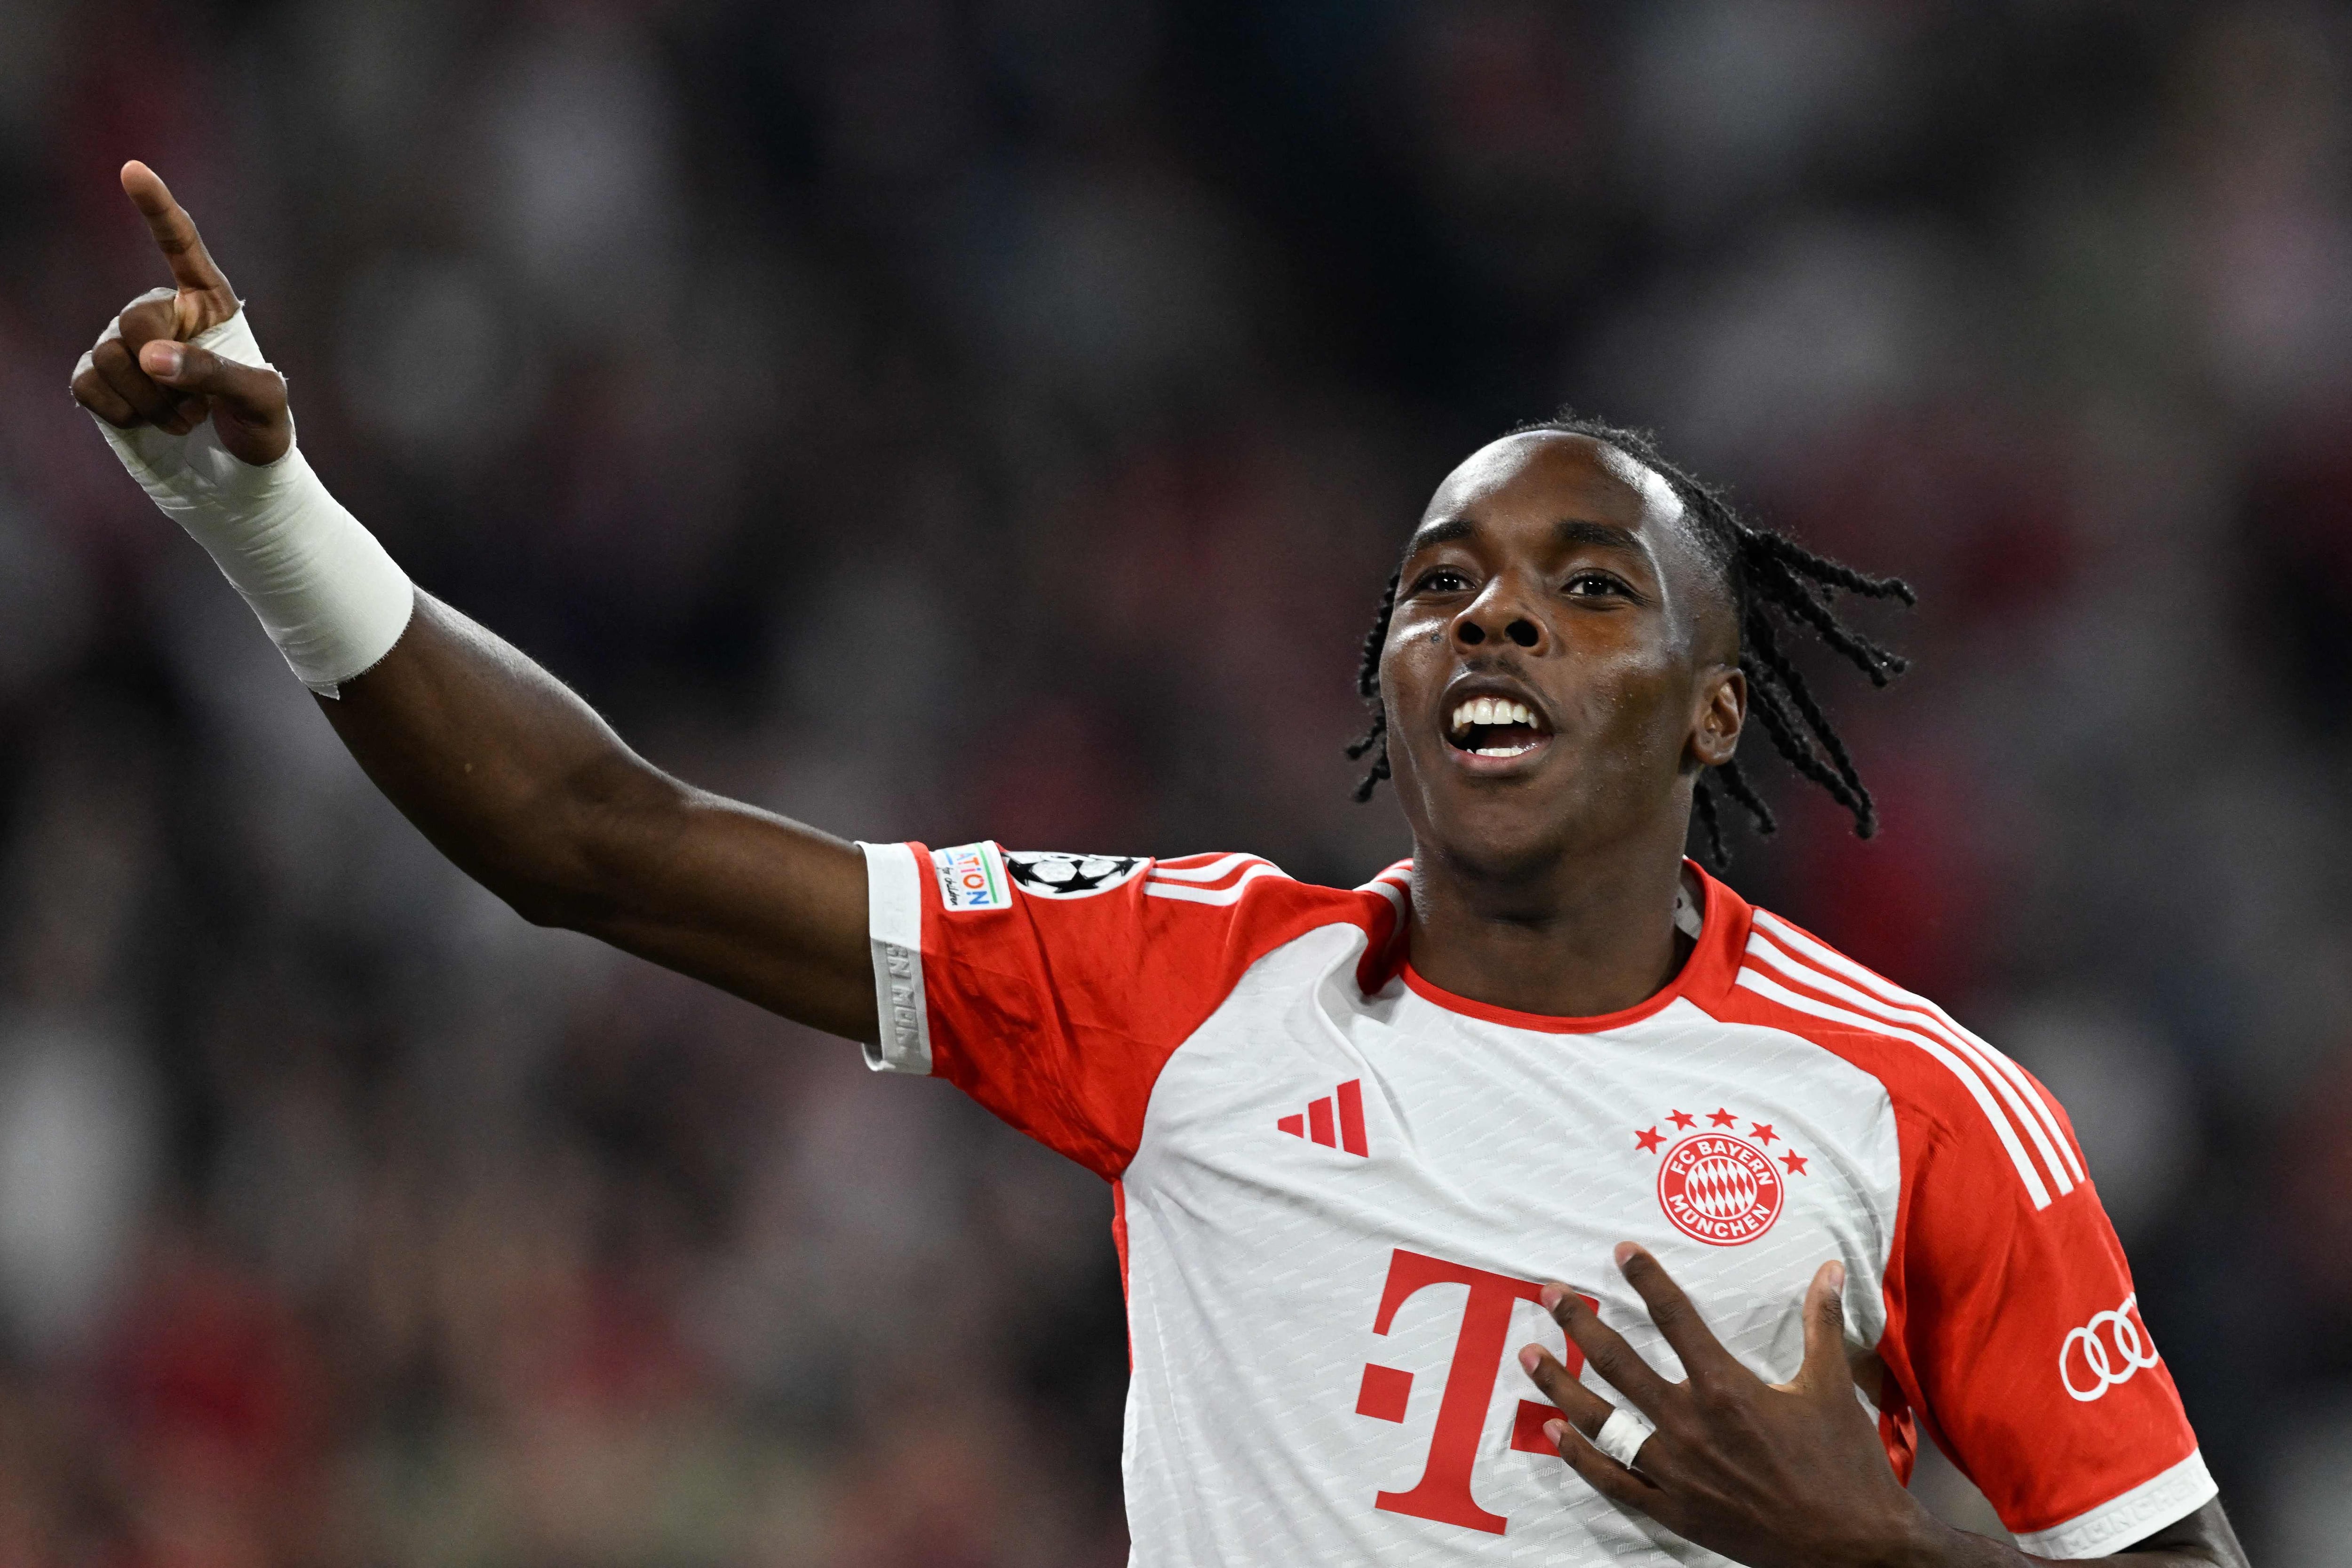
[1766, 1474]
[141, 371]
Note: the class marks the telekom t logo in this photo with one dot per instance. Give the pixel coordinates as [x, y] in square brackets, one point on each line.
[1443, 1491]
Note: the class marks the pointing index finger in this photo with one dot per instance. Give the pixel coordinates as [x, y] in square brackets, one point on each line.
[192, 264]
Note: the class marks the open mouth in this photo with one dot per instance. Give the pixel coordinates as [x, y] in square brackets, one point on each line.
[1495, 727]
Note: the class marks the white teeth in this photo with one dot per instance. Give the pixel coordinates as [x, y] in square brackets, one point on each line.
[1494, 711]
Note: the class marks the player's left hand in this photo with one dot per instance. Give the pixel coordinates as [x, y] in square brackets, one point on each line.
[1766, 1474]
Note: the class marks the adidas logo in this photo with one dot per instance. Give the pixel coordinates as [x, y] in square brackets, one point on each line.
[1343, 1130]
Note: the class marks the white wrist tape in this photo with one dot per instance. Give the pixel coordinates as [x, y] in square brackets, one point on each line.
[326, 592]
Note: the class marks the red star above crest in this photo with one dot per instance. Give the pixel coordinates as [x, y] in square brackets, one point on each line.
[1723, 1119]
[1683, 1119]
[1761, 1132]
[1648, 1142]
[1795, 1162]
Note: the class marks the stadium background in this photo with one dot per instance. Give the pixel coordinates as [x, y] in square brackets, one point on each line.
[996, 419]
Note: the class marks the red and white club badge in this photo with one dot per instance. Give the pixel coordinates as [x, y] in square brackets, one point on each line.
[1717, 1184]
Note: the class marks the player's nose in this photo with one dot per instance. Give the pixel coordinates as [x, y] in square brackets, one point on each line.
[1500, 614]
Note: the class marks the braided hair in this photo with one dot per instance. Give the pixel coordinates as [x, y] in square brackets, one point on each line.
[1777, 587]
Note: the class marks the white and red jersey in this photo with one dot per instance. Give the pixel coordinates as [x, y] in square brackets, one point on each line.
[1338, 1187]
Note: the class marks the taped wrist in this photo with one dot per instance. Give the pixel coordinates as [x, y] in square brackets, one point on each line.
[326, 591]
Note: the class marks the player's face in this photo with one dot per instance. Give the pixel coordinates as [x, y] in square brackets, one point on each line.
[1560, 661]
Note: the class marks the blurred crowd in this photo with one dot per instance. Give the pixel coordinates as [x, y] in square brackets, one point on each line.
[961, 418]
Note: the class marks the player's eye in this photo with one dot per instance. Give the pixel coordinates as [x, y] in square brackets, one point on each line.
[1597, 585]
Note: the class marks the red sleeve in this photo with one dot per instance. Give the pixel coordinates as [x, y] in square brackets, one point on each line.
[2016, 1331]
[1052, 988]
[2013, 1333]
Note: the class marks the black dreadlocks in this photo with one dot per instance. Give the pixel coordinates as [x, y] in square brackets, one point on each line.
[1777, 586]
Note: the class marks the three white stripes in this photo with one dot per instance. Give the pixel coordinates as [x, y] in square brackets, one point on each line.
[1182, 882]
[1966, 1056]
[2019, 1089]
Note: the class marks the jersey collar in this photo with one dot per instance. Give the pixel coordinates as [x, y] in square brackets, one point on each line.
[1709, 971]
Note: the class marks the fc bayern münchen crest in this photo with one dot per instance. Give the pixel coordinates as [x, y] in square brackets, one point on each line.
[1045, 874]
[1719, 1185]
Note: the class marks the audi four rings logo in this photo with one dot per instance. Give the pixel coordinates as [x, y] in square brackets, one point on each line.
[2104, 1352]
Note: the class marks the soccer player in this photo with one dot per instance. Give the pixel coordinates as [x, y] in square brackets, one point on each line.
[1750, 1214]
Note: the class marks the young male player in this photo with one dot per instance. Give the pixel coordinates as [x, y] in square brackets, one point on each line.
[1546, 1076]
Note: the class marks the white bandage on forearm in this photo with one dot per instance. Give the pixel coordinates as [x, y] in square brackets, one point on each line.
[326, 592]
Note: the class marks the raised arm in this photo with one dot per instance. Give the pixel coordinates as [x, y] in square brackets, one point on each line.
[502, 767]
[533, 796]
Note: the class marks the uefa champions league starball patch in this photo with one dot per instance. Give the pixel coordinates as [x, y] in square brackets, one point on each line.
[1717, 1184]
[1047, 874]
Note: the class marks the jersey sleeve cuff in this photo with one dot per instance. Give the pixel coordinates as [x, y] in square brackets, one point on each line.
[2136, 1515]
[894, 904]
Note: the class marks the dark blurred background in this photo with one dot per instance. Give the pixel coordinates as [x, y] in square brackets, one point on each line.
[951, 420]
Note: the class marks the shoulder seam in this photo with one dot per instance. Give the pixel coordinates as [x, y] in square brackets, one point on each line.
[1838, 991]
[2025, 1098]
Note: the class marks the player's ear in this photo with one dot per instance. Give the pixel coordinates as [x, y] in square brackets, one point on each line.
[1721, 713]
